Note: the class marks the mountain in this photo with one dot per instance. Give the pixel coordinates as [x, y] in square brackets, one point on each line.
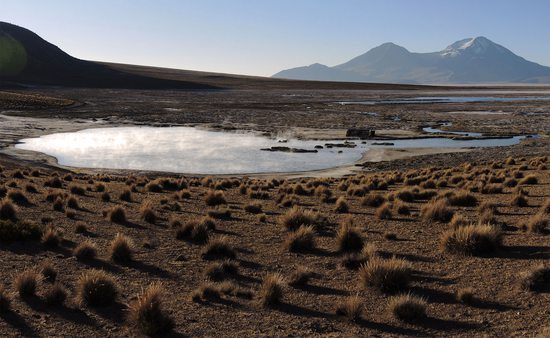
[27, 59]
[472, 60]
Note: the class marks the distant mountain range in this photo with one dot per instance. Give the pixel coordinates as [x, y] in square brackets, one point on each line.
[468, 61]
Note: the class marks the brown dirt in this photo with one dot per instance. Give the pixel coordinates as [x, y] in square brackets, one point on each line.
[501, 308]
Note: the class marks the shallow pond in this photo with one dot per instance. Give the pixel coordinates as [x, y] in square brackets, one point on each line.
[197, 151]
[448, 99]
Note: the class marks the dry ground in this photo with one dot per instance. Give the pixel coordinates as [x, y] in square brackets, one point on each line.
[501, 307]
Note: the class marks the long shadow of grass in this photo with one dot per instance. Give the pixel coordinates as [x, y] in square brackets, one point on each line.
[16, 321]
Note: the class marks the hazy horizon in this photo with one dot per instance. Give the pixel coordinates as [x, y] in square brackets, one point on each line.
[245, 37]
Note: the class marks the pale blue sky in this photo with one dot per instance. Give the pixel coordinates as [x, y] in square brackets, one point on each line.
[261, 37]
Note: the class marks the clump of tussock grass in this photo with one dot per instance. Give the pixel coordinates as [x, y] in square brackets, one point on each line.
[458, 221]
[341, 206]
[85, 251]
[401, 208]
[519, 201]
[153, 186]
[206, 291]
[387, 275]
[390, 236]
[146, 313]
[537, 223]
[271, 290]
[96, 288]
[72, 203]
[253, 208]
[54, 182]
[437, 210]
[147, 213]
[121, 249]
[5, 300]
[219, 213]
[296, 217]
[545, 208]
[77, 190]
[529, 180]
[117, 214]
[48, 271]
[51, 237]
[80, 228]
[126, 195]
[349, 237]
[301, 276]
[31, 189]
[8, 211]
[26, 283]
[465, 295]
[55, 295]
[105, 197]
[536, 278]
[351, 308]
[492, 188]
[193, 231]
[407, 307]
[18, 197]
[100, 187]
[301, 240]
[462, 198]
[472, 239]
[219, 248]
[373, 199]
[218, 271]
[484, 206]
[384, 211]
[214, 198]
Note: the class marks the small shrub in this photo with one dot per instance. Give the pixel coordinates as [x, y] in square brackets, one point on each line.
[146, 312]
[437, 210]
[77, 190]
[463, 199]
[465, 295]
[472, 239]
[351, 308]
[296, 217]
[271, 291]
[85, 251]
[407, 308]
[72, 203]
[536, 278]
[121, 249]
[386, 275]
[96, 288]
[303, 239]
[219, 213]
[26, 283]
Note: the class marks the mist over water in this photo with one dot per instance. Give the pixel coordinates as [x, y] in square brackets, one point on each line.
[196, 151]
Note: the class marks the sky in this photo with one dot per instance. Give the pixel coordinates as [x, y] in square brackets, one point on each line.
[262, 37]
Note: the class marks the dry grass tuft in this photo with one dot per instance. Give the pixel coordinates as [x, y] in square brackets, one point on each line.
[215, 197]
[373, 200]
[301, 240]
[437, 210]
[465, 295]
[536, 278]
[55, 295]
[341, 205]
[301, 276]
[117, 214]
[529, 180]
[146, 312]
[351, 308]
[96, 288]
[85, 251]
[519, 201]
[384, 211]
[349, 237]
[462, 198]
[8, 210]
[271, 291]
[219, 271]
[296, 217]
[387, 275]
[49, 273]
[121, 249]
[537, 223]
[472, 239]
[51, 237]
[408, 308]
[26, 283]
[219, 248]
[253, 208]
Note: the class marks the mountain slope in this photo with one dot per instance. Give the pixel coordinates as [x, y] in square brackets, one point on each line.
[473, 60]
[26, 58]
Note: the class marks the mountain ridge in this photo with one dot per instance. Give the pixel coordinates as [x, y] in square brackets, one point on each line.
[472, 60]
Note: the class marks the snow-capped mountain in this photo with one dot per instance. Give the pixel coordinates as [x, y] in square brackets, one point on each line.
[472, 60]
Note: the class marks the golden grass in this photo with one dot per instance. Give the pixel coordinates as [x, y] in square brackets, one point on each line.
[472, 239]
[387, 275]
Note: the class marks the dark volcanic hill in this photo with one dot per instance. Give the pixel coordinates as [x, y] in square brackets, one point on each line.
[473, 60]
[26, 58]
